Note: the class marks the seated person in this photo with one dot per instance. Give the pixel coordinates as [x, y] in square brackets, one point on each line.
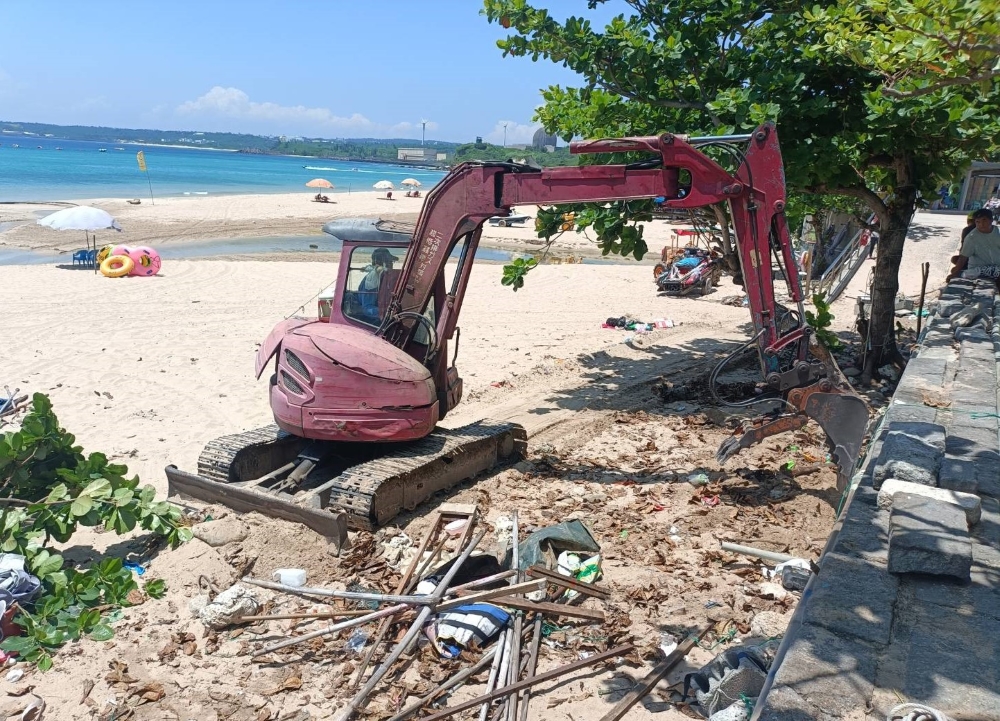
[382, 261]
[980, 253]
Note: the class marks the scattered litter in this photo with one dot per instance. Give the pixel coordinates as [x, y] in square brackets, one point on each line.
[14, 675]
[730, 680]
[229, 607]
[667, 643]
[295, 577]
[698, 479]
[455, 528]
[357, 641]
[399, 551]
[137, 568]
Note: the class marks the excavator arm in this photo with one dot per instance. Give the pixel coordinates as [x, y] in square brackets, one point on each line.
[456, 209]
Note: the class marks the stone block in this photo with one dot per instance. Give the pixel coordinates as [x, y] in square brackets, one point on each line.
[947, 308]
[928, 536]
[852, 597]
[958, 473]
[911, 452]
[945, 659]
[968, 441]
[911, 412]
[986, 539]
[968, 502]
[980, 596]
[823, 676]
[864, 533]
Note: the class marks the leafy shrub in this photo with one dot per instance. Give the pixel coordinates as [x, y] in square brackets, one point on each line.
[47, 489]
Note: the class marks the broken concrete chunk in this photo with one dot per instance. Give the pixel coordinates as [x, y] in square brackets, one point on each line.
[929, 536]
[968, 502]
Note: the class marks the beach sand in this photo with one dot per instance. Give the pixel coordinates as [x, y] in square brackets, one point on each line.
[149, 369]
[191, 218]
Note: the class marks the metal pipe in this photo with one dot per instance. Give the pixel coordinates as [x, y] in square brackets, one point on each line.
[536, 642]
[333, 593]
[772, 556]
[491, 684]
[350, 623]
[702, 139]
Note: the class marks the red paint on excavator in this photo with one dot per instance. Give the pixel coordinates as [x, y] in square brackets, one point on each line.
[341, 383]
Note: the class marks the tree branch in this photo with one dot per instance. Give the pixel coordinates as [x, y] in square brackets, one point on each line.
[933, 88]
[869, 197]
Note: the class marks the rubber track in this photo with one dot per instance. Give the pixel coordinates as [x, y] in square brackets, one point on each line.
[364, 489]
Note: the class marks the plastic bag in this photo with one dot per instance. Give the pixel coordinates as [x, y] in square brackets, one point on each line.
[544, 545]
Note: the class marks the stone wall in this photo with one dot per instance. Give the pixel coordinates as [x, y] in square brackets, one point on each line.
[906, 606]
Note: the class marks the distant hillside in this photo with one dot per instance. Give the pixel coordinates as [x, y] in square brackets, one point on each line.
[384, 150]
[486, 151]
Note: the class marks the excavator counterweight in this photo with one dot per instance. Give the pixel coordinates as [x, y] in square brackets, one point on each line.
[357, 396]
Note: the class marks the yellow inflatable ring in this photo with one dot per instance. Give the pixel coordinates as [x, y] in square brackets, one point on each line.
[117, 266]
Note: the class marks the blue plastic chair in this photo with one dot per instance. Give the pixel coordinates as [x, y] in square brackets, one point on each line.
[85, 257]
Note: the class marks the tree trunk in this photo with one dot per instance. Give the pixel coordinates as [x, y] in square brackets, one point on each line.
[880, 347]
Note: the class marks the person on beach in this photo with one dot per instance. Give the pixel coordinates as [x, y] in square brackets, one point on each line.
[979, 256]
[970, 225]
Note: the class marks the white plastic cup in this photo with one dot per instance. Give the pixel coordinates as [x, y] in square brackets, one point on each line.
[295, 577]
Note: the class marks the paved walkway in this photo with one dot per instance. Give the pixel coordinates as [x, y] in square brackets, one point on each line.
[906, 606]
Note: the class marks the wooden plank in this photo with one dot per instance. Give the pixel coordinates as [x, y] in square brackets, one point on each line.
[549, 609]
[491, 594]
[529, 682]
[653, 677]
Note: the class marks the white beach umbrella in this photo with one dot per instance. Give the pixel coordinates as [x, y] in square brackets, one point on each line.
[411, 181]
[383, 185]
[81, 217]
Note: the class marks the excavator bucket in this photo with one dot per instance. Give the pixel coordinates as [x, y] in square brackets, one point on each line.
[843, 417]
[830, 402]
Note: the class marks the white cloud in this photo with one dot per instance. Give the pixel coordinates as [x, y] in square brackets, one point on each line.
[233, 103]
[407, 127]
[517, 133]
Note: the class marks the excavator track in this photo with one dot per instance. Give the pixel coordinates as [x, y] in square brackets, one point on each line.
[355, 485]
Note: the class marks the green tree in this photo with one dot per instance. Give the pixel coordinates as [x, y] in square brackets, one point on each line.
[705, 67]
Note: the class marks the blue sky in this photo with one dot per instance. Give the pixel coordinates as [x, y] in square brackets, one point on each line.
[329, 68]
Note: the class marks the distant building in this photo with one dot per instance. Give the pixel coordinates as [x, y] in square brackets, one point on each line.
[417, 155]
[441, 157]
[539, 140]
[982, 183]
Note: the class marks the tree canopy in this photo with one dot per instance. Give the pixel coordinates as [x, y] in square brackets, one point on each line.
[867, 98]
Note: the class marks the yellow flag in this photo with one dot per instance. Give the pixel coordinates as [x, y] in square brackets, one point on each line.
[140, 156]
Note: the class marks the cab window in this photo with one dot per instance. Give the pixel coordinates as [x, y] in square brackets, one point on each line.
[371, 277]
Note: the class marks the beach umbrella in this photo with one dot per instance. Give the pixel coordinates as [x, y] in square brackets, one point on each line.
[81, 217]
[411, 181]
[319, 183]
[383, 185]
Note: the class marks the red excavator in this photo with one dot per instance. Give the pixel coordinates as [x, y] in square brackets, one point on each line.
[357, 396]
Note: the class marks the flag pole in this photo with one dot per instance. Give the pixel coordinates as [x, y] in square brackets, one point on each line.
[140, 158]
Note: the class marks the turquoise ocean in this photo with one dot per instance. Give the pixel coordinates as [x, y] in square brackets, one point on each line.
[71, 169]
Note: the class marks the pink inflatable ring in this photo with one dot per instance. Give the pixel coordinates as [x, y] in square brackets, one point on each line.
[147, 261]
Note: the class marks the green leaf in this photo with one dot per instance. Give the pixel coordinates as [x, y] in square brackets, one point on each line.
[48, 566]
[58, 493]
[44, 662]
[81, 505]
[19, 644]
[97, 489]
[155, 588]
[102, 632]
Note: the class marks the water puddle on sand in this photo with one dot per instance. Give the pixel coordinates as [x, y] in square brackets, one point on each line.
[230, 247]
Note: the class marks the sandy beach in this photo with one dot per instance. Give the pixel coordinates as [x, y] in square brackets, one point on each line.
[192, 218]
[149, 369]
